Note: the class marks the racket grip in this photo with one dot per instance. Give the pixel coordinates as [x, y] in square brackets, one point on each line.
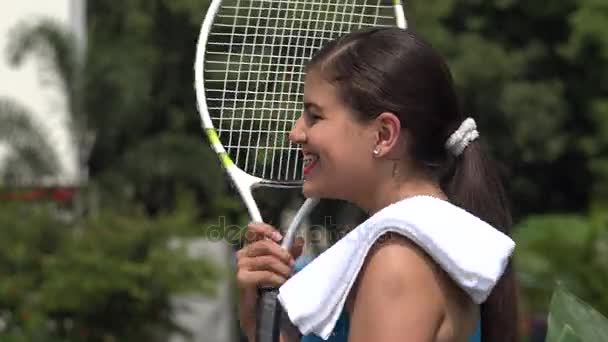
[268, 318]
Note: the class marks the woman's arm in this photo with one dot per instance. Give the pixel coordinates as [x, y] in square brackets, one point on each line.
[398, 295]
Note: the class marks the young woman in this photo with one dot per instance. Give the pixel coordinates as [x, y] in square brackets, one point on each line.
[382, 124]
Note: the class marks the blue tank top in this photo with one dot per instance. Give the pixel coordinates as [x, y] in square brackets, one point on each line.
[340, 333]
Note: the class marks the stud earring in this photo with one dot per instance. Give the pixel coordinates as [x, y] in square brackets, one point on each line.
[376, 152]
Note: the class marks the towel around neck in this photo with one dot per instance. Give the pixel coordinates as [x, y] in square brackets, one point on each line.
[471, 251]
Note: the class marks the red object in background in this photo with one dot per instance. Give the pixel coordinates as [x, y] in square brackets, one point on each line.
[64, 194]
[60, 194]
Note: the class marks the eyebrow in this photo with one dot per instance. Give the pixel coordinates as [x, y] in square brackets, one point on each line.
[312, 105]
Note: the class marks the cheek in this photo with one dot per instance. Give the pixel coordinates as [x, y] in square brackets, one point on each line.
[357, 148]
[345, 168]
[342, 146]
[350, 163]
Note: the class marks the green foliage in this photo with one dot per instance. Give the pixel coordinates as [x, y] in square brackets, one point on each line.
[151, 127]
[571, 250]
[107, 277]
[587, 50]
[571, 319]
[533, 76]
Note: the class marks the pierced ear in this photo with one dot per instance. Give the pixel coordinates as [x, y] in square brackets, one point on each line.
[388, 132]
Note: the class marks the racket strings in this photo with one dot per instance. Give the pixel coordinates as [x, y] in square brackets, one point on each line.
[254, 72]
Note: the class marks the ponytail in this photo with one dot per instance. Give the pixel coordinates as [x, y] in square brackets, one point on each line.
[475, 186]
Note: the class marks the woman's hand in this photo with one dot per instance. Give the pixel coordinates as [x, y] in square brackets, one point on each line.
[261, 263]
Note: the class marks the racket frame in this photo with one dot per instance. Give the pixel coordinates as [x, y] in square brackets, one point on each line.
[243, 182]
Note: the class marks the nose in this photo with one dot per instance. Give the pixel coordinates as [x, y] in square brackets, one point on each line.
[298, 134]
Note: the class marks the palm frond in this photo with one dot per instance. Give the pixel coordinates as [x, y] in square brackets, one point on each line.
[49, 39]
[33, 158]
[58, 47]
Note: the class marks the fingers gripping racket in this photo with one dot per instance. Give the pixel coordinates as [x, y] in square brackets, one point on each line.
[249, 78]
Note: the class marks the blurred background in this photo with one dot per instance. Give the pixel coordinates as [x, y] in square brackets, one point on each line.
[118, 224]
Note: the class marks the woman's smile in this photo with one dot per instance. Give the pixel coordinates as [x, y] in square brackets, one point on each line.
[310, 161]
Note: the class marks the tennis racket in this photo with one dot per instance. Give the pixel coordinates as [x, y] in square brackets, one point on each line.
[249, 78]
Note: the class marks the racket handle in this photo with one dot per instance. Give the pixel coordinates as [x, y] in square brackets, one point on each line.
[268, 318]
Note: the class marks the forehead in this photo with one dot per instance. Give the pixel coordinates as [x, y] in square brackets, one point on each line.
[318, 90]
[324, 96]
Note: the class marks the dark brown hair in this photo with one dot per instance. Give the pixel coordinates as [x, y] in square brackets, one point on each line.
[394, 70]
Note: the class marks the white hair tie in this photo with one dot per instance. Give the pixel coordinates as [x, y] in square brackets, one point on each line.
[460, 139]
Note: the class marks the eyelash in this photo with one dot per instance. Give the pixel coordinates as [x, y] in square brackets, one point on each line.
[313, 116]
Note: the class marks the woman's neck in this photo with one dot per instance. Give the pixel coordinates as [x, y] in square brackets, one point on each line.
[390, 192]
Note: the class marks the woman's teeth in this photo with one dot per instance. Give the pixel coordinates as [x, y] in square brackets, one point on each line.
[309, 160]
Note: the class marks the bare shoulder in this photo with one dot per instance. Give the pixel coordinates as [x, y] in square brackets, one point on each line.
[400, 294]
[395, 265]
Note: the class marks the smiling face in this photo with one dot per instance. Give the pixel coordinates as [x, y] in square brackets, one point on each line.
[337, 149]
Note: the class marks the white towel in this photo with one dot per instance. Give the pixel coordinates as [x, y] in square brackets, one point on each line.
[471, 251]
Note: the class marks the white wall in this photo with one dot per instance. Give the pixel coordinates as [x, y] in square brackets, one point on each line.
[31, 87]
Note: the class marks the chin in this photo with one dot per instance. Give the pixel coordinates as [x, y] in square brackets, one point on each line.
[316, 190]
[308, 190]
